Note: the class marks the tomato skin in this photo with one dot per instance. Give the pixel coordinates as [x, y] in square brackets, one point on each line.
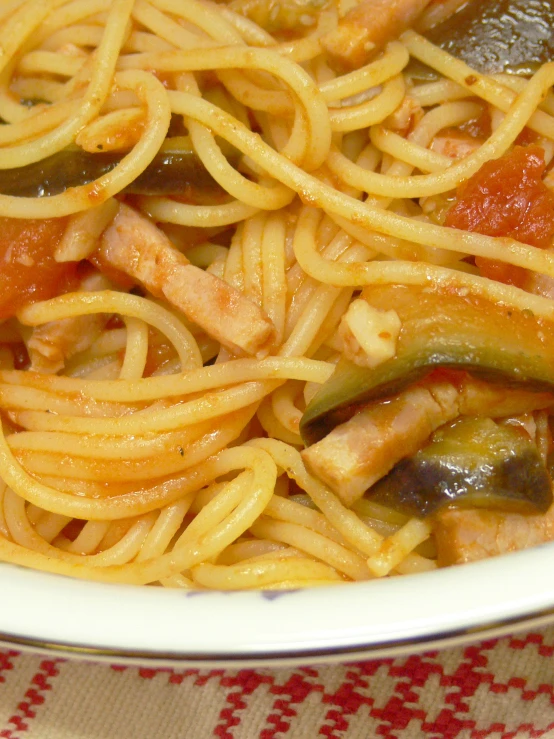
[507, 197]
[509, 274]
[28, 270]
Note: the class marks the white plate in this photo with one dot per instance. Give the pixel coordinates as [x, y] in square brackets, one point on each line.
[366, 620]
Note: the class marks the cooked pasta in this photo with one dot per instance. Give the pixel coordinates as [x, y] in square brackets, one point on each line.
[211, 211]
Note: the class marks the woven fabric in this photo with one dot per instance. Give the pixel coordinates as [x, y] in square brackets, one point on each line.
[501, 689]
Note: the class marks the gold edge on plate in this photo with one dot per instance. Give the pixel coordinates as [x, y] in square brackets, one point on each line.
[282, 658]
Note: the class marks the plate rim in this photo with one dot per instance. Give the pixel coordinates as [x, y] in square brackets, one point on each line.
[280, 659]
[474, 602]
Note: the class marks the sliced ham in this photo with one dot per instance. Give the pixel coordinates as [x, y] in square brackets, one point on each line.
[468, 535]
[357, 453]
[455, 146]
[369, 26]
[135, 246]
[53, 343]
[405, 117]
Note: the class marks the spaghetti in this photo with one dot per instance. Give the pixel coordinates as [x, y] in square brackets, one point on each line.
[222, 193]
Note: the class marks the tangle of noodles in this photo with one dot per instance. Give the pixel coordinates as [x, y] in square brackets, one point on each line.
[145, 440]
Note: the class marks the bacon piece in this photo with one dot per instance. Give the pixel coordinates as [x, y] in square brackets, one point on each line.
[51, 344]
[134, 245]
[369, 26]
[357, 453]
[468, 535]
[405, 117]
[455, 144]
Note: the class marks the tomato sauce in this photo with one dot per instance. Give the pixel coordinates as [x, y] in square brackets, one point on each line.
[160, 352]
[507, 197]
[28, 270]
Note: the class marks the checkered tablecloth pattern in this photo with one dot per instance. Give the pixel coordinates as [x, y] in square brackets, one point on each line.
[498, 689]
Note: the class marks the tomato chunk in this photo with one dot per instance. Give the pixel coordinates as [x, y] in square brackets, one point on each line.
[28, 270]
[507, 197]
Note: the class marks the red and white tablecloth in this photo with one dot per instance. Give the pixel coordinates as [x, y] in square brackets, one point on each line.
[498, 689]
